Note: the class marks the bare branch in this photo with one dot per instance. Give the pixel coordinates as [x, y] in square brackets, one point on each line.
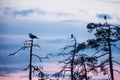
[68, 46]
[116, 71]
[37, 45]
[26, 68]
[116, 47]
[40, 58]
[97, 52]
[37, 57]
[35, 68]
[101, 55]
[116, 62]
[113, 70]
[17, 51]
[48, 55]
[28, 40]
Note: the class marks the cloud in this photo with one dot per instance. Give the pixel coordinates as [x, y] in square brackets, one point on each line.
[6, 70]
[22, 12]
[57, 10]
[83, 11]
[40, 12]
[56, 41]
[118, 18]
[101, 16]
[26, 12]
[7, 10]
[113, 1]
[22, 75]
[70, 21]
[61, 14]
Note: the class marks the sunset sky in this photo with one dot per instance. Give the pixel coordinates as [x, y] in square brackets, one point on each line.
[53, 21]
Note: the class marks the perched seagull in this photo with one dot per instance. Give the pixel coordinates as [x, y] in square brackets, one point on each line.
[33, 36]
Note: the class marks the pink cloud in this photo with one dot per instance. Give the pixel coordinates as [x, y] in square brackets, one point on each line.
[17, 76]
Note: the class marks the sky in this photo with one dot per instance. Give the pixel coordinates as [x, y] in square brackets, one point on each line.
[53, 21]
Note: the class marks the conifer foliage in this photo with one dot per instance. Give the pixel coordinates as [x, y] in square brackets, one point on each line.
[106, 36]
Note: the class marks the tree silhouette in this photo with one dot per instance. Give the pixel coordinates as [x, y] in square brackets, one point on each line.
[76, 64]
[69, 62]
[32, 68]
[106, 36]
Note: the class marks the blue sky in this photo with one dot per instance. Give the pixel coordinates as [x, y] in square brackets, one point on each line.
[53, 21]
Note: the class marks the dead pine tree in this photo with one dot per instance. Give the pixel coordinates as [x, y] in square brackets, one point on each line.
[69, 66]
[30, 44]
[73, 57]
[31, 48]
[78, 65]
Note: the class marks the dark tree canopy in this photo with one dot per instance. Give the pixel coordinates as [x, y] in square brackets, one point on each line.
[106, 36]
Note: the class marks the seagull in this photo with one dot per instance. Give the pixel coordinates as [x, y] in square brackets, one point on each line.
[33, 36]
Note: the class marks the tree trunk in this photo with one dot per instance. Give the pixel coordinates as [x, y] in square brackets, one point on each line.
[30, 71]
[72, 68]
[85, 72]
[110, 56]
[72, 61]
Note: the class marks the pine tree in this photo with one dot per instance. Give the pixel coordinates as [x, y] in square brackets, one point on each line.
[106, 36]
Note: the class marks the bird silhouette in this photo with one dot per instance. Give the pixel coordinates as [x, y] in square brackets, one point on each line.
[33, 36]
[71, 35]
[105, 17]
